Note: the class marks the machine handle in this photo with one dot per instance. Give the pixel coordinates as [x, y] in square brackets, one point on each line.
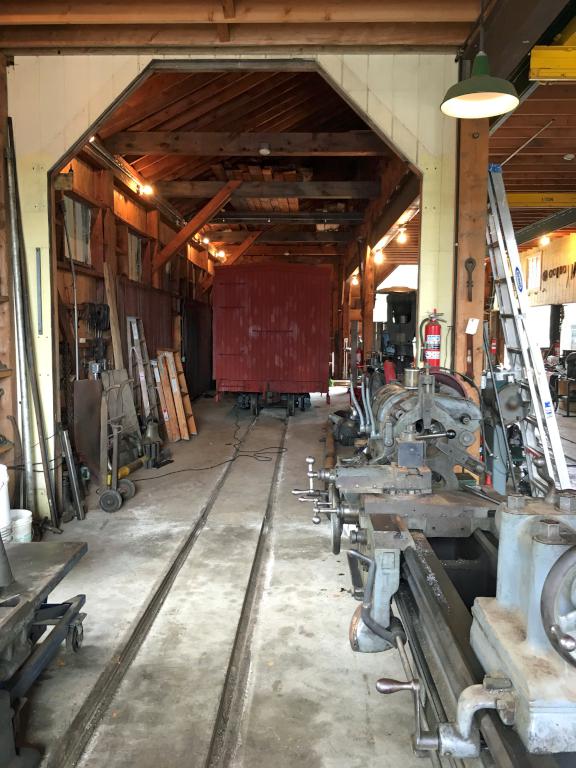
[389, 685]
[450, 434]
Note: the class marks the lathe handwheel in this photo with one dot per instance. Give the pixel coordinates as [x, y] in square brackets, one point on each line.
[336, 523]
[558, 606]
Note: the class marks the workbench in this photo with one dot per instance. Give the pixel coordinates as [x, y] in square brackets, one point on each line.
[25, 615]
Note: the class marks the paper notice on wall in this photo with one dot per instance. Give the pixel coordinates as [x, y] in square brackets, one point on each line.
[472, 326]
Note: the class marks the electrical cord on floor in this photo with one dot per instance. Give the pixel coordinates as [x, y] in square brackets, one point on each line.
[261, 454]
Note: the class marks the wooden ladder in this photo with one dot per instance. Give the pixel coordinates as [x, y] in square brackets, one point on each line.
[176, 391]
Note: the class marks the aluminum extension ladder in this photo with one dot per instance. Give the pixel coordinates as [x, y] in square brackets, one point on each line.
[138, 352]
[542, 445]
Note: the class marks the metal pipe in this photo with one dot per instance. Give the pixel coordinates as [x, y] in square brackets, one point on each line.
[498, 406]
[29, 357]
[20, 329]
[74, 485]
[356, 405]
[368, 407]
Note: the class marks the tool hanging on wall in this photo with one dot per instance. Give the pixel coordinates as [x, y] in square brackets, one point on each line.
[27, 360]
[470, 266]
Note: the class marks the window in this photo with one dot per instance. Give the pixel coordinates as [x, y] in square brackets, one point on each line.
[534, 272]
[134, 257]
[78, 223]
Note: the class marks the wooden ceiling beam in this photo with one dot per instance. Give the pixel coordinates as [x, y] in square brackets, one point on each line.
[333, 190]
[226, 144]
[283, 236]
[241, 249]
[60, 39]
[103, 12]
[201, 218]
[294, 249]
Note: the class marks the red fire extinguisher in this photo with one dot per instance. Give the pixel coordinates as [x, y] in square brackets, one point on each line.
[431, 339]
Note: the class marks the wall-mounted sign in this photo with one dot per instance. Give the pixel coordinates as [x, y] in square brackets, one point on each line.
[556, 272]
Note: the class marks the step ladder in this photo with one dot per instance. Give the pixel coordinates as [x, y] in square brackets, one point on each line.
[543, 449]
[139, 368]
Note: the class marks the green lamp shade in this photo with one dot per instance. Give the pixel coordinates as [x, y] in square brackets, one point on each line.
[480, 95]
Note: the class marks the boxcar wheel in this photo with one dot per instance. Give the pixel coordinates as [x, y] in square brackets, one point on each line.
[254, 404]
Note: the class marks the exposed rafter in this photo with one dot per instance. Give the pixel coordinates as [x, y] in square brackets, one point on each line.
[206, 12]
[292, 219]
[203, 144]
[201, 218]
[274, 235]
[337, 190]
[556, 221]
[241, 249]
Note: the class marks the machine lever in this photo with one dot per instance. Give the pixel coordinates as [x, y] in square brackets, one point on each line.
[450, 434]
[388, 685]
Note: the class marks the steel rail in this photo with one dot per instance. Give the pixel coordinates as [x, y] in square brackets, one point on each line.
[72, 746]
[224, 739]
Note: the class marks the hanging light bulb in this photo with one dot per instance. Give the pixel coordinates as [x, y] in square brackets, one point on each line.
[221, 254]
[480, 95]
[402, 236]
[379, 257]
[355, 280]
[206, 240]
[544, 241]
[146, 190]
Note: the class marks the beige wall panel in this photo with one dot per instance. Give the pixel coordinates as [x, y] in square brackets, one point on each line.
[54, 100]
[558, 257]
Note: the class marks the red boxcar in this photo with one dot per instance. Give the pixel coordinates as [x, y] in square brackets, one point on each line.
[271, 328]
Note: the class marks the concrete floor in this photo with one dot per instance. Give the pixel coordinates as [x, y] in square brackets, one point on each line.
[307, 699]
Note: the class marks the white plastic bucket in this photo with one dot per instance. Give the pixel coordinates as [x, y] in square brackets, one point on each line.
[21, 525]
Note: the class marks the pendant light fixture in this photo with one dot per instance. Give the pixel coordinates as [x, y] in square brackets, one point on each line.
[480, 95]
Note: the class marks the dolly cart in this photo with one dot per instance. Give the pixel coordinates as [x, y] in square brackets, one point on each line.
[28, 574]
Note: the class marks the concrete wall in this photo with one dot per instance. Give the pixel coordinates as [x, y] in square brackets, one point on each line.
[54, 100]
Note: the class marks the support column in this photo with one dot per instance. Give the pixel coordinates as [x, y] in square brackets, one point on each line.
[368, 288]
[7, 352]
[471, 244]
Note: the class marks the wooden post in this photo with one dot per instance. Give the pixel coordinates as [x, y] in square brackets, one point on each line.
[472, 201]
[345, 323]
[7, 350]
[110, 284]
[368, 289]
[338, 320]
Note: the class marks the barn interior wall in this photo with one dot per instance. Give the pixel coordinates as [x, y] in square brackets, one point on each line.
[54, 100]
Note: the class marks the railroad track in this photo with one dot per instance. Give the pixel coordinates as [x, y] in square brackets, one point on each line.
[84, 728]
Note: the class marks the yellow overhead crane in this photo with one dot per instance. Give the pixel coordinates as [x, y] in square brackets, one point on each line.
[555, 63]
